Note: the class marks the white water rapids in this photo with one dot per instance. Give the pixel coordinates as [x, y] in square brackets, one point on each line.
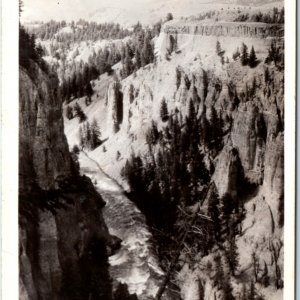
[134, 263]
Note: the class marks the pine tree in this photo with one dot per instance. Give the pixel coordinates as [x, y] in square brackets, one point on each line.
[39, 51]
[79, 113]
[244, 55]
[255, 265]
[138, 62]
[232, 255]
[226, 208]
[63, 89]
[201, 290]
[79, 85]
[252, 58]
[69, 112]
[95, 135]
[147, 51]
[267, 75]
[123, 53]
[169, 17]
[74, 87]
[178, 78]
[227, 288]
[29, 50]
[218, 48]
[32, 46]
[118, 105]
[129, 50]
[192, 112]
[214, 213]
[76, 149]
[222, 59]
[219, 276]
[252, 292]
[128, 66]
[204, 130]
[68, 90]
[21, 4]
[205, 82]
[154, 132]
[216, 130]
[273, 53]
[164, 114]
[89, 90]
[122, 293]
[88, 135]
[74, 155]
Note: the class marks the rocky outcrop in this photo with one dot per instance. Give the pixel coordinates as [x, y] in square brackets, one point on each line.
[226, 173]
[63, 237]
[115, 106]
[199, 38]
[43, 148]
[249, 137]
[274, 175]
[232, 29]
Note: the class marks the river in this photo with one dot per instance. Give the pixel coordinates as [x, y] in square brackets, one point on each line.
[135, 263]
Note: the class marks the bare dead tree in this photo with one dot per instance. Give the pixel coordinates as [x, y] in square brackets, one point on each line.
[176, 256]
[255, 265]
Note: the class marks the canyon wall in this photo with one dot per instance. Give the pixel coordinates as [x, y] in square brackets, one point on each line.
[63, 238]
[231, 29]
[249, 164]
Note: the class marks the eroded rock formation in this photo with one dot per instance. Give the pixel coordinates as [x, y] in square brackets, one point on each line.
[63, 237]
[233, 29]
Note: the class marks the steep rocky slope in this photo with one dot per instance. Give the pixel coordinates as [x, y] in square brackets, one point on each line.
[63, 238]
[250, 105]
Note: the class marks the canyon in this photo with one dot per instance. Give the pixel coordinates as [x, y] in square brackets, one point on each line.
[81, 235]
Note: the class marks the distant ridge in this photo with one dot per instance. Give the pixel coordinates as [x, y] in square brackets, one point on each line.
[129, 12]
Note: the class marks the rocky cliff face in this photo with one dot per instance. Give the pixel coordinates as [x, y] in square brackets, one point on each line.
[199, 38]
[232, 29]
[62, 237]
[43, 147]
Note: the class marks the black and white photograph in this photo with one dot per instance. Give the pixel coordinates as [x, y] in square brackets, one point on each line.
[151, 150]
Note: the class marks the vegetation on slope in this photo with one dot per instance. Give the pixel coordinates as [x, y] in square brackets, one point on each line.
[174, 179]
